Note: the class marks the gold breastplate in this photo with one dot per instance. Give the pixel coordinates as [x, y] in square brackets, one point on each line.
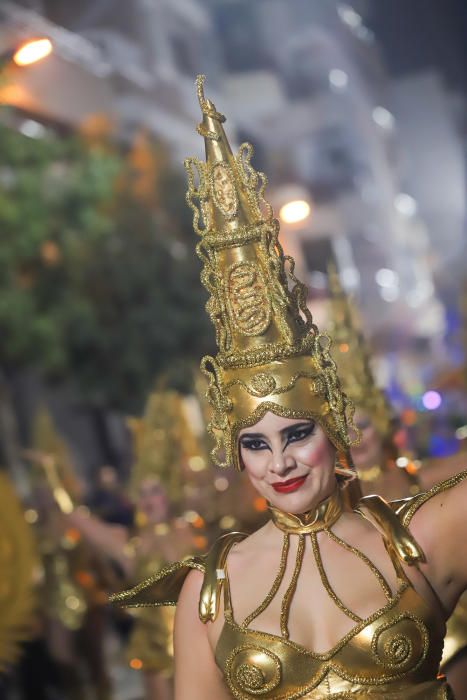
[393, 653]
[393, 650]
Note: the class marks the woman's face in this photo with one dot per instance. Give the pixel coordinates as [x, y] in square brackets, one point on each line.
[152, 501]
[370, 450]
[289, 461]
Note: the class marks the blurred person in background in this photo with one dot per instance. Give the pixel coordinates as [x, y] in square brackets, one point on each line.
[19, 570]
[75, 580]
[108, 500]
[383, 465]
[156, 537]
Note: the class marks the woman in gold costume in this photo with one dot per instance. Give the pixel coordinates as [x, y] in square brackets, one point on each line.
[376, 457]
[157, 539]
[323, 601]
[380, 467]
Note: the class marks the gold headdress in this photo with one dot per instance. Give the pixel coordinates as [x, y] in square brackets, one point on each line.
[352, 356]
[163, 443]
[48, 444]
[271, 357]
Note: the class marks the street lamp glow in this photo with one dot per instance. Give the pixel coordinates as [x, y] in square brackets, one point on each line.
[32, 51]
[389, 294]
[387, 278]
[338, 78]
[295, 211]
[405, 204]
[383, 117]
[349, 16]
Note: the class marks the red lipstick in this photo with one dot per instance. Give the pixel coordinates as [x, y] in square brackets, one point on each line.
[289, 485]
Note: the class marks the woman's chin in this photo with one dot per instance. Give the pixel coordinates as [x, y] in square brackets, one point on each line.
[295, 503]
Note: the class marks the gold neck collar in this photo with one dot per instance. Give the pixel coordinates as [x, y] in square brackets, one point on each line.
[323, 516]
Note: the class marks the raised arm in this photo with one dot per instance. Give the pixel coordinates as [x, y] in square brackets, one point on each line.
[109, 540]
[112, 541]
[439, 525]
[196, 674]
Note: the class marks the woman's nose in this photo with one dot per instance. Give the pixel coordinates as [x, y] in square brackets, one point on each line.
[281, 463]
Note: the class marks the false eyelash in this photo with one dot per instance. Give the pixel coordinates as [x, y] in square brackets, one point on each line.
[248, 444]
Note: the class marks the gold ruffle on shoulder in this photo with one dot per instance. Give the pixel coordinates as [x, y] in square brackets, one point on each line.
[407, 507]
[163, 587]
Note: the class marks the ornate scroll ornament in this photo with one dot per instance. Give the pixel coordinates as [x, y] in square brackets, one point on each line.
[271, 355]
[252, 671]
[246, 292]
[401, 643]
[223, 190]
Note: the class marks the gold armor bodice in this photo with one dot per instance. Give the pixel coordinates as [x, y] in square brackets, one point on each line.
[455, 639]
[393, 654]
[395, 651]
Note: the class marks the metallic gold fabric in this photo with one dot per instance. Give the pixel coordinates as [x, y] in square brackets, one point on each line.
[271, 357]
[325, 515]
[150, 646]
[376, 510]
[393, 653]
[386, 655]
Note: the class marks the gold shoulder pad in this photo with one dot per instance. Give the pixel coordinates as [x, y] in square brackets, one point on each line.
[162, 588]
[382, 516]
[407, 507]
[214, 575]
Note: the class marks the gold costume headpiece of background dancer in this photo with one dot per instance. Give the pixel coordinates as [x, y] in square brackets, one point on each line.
[271, 356]
[162, 440]
[352, 355]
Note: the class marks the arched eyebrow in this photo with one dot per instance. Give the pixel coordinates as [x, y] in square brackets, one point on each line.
[285, 431]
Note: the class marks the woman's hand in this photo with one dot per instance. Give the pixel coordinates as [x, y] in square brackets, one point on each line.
[196, 674]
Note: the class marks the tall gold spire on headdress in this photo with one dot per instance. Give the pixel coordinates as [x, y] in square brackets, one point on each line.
[271, 357]
[352, 355]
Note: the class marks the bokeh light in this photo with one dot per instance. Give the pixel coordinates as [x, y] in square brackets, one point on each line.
[295, 211]
[33, 51]
[431, 400]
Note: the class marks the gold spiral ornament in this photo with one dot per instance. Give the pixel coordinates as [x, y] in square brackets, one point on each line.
[252, 671]
[401, 643]
[262, 384]
[248, 299]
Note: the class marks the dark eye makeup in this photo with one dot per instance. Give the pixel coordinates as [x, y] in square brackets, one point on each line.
[300, 433]
[293, 434]
[253, 444]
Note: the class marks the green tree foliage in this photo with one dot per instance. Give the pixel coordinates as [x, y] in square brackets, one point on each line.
[99, 281]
